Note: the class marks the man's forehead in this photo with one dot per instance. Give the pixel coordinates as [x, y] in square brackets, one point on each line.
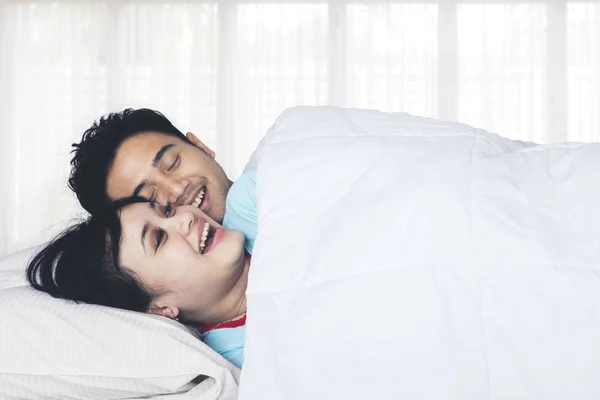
[135, 159]
[130, 167]
[142, 151]
[146, 141]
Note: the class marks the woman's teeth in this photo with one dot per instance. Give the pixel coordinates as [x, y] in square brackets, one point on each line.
[204, 237]
[199, 197]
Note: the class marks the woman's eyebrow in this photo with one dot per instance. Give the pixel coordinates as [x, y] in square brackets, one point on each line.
[143, 238]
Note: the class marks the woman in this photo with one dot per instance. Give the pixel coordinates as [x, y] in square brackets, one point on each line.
[176, 263]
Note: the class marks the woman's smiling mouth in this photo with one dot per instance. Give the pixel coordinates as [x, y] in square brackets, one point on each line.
[204, 231]
[214, 236]
[208, 236]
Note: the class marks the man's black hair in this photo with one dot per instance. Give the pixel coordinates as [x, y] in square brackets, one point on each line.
[94, 155]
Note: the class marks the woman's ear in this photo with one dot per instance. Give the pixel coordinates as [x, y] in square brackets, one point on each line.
[198, 143]
[165, 311]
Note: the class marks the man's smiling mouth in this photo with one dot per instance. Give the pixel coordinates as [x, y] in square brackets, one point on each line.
[199, 197]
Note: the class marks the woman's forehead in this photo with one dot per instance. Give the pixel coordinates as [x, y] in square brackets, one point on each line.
[133, 218]
[137, 211]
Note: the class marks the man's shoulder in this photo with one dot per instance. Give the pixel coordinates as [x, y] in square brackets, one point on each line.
[243, 190]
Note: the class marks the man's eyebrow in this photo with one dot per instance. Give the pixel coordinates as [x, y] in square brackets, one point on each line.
[144, 231]
[161, 153]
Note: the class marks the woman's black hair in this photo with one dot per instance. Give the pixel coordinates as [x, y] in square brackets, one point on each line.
[82, 264]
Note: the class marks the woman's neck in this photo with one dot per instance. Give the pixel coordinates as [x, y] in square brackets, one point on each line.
[233, 305]
[240, 309]
[241, 306]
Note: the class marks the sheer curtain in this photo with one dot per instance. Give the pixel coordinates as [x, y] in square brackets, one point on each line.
[225, 70]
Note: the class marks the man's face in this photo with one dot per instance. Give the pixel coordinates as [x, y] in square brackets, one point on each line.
[167, 170]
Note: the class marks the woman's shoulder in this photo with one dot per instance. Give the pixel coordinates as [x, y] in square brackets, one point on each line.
[228, 342]
[225, 333]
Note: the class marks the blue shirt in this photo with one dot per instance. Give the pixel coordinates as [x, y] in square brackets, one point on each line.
[240, 215]
[240, 207]
[228, 342]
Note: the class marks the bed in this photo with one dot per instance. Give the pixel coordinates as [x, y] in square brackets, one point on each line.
[398, 257]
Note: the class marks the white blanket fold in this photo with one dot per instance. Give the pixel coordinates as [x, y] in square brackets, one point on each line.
[408, 258]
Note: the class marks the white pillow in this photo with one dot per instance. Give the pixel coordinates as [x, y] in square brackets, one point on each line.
[12, 267]
[56, 349]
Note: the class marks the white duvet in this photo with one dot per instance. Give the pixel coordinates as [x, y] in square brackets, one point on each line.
[408, 258]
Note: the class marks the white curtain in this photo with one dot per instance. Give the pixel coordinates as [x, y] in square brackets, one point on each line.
[225, 70]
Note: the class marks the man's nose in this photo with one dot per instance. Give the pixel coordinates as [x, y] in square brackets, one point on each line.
[174, 190]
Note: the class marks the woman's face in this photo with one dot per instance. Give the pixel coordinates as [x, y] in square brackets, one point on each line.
[195, 267]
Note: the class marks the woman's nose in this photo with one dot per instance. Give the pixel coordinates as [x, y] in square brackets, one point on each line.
[184, 221]
[175, 189]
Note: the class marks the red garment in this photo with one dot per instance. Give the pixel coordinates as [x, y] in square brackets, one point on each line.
[229, 324]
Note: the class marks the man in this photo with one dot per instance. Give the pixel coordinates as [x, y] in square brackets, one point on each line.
[141, 153]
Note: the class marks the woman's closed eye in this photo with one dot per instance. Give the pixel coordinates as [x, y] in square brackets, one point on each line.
[160, 238]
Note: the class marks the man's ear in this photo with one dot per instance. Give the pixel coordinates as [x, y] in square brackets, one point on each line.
[165, 311]
[198, 143]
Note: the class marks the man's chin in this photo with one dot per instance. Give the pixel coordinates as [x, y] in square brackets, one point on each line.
[219, 217]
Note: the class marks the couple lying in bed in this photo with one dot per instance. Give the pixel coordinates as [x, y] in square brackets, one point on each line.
[153, 241]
